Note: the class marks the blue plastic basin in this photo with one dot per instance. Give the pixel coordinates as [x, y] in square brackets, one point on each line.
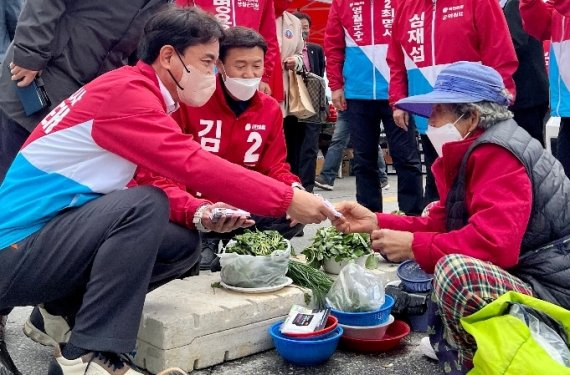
[305, 352]
[369, 318]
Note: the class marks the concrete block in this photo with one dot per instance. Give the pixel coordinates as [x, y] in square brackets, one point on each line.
[189, 324]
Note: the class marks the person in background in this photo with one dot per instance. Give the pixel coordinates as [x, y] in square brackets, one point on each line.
[69, 224]
[303, 137]
[257, 15]
[530, 78]
[356, 40]
[551, 21]
[497, 227]
[9, 12]
[427, 36]
[333, 158]
[290, 40]
[239, 124]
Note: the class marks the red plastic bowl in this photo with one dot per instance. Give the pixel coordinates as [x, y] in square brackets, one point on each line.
[332, 322]
[395, 333]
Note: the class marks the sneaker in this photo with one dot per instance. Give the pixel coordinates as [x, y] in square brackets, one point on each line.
[46, 329]
[96, 363]
[384, 185]
[427, 349]
[321, 183]
[209, 250]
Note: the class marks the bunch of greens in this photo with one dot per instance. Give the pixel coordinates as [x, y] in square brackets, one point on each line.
[257, 243]
[308, 277]
[332, 244]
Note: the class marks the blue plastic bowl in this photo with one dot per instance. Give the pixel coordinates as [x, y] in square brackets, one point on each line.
[369, 318]
[414, 279]
[305, 352]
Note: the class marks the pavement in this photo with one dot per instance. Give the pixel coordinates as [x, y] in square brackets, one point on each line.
[33, 359]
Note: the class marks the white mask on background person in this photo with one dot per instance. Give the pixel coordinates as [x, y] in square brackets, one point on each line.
[242, 88]
[194, 88]
[444, 134]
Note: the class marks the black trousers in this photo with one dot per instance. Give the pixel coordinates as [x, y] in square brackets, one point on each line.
[97, 262]
[563, 144]
[12, 137]
[302, 140]
[364, 117]
[532, 120]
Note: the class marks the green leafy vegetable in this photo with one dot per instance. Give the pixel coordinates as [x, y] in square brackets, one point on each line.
[258, 243]
[332, 244]
[308, 277]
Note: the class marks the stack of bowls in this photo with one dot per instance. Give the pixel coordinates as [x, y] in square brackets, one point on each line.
[370, 324]
[419, 283]
[307, 349]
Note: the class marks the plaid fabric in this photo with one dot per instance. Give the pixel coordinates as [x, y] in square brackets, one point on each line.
[462, 286]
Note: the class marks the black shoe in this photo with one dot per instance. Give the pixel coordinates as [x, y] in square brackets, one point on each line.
[300, 234]
[209, 251]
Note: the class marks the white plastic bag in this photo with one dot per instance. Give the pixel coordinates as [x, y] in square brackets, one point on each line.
[545, 336]
[356, 290]
[248, 271]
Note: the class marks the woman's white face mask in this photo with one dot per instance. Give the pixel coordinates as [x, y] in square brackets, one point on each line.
[242, 88]
[444, 134]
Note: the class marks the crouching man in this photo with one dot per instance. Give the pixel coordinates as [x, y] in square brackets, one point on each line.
[76, 239]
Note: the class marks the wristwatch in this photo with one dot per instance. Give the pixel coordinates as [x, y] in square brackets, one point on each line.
[298, 186]
[197, 220]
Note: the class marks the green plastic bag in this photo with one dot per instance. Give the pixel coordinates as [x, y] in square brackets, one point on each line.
[504, 343]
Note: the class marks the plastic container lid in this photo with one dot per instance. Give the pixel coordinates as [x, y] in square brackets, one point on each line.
[410, 271]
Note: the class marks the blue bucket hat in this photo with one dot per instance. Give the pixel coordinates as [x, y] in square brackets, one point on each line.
[460, 82]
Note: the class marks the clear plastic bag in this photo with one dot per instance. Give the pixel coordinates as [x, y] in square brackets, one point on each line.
[356, 290]
[248, 271]
[545, 336]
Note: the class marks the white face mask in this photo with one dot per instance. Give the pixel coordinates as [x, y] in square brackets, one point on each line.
[194, 88]
[242, 88]
[444, 134]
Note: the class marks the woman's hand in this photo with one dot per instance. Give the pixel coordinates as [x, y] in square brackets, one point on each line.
[395, 245]
[23, 75]
[355, 218]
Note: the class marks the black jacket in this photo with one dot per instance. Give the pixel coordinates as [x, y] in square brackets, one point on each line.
[71, 42]
[530, 78]
[316, 58]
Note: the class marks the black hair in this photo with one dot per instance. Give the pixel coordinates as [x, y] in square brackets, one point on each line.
[241, 37]
[180, 28]
[304, 16]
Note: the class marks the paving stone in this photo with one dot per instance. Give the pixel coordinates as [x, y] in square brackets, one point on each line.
[189, 324]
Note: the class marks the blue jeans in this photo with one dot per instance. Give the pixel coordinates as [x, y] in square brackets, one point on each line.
[339, 141]
[364, 117]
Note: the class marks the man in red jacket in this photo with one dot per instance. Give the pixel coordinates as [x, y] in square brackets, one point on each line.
[70, 225]
[240, 124]
[256, 14]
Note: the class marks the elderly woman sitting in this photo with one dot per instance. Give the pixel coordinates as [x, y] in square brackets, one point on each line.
[503, 221]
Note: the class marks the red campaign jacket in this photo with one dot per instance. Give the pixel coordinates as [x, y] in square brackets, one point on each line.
[254, 140]
[158, 147]
[428, 35]
[255, 14]
[551, 21]
[498, 199]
